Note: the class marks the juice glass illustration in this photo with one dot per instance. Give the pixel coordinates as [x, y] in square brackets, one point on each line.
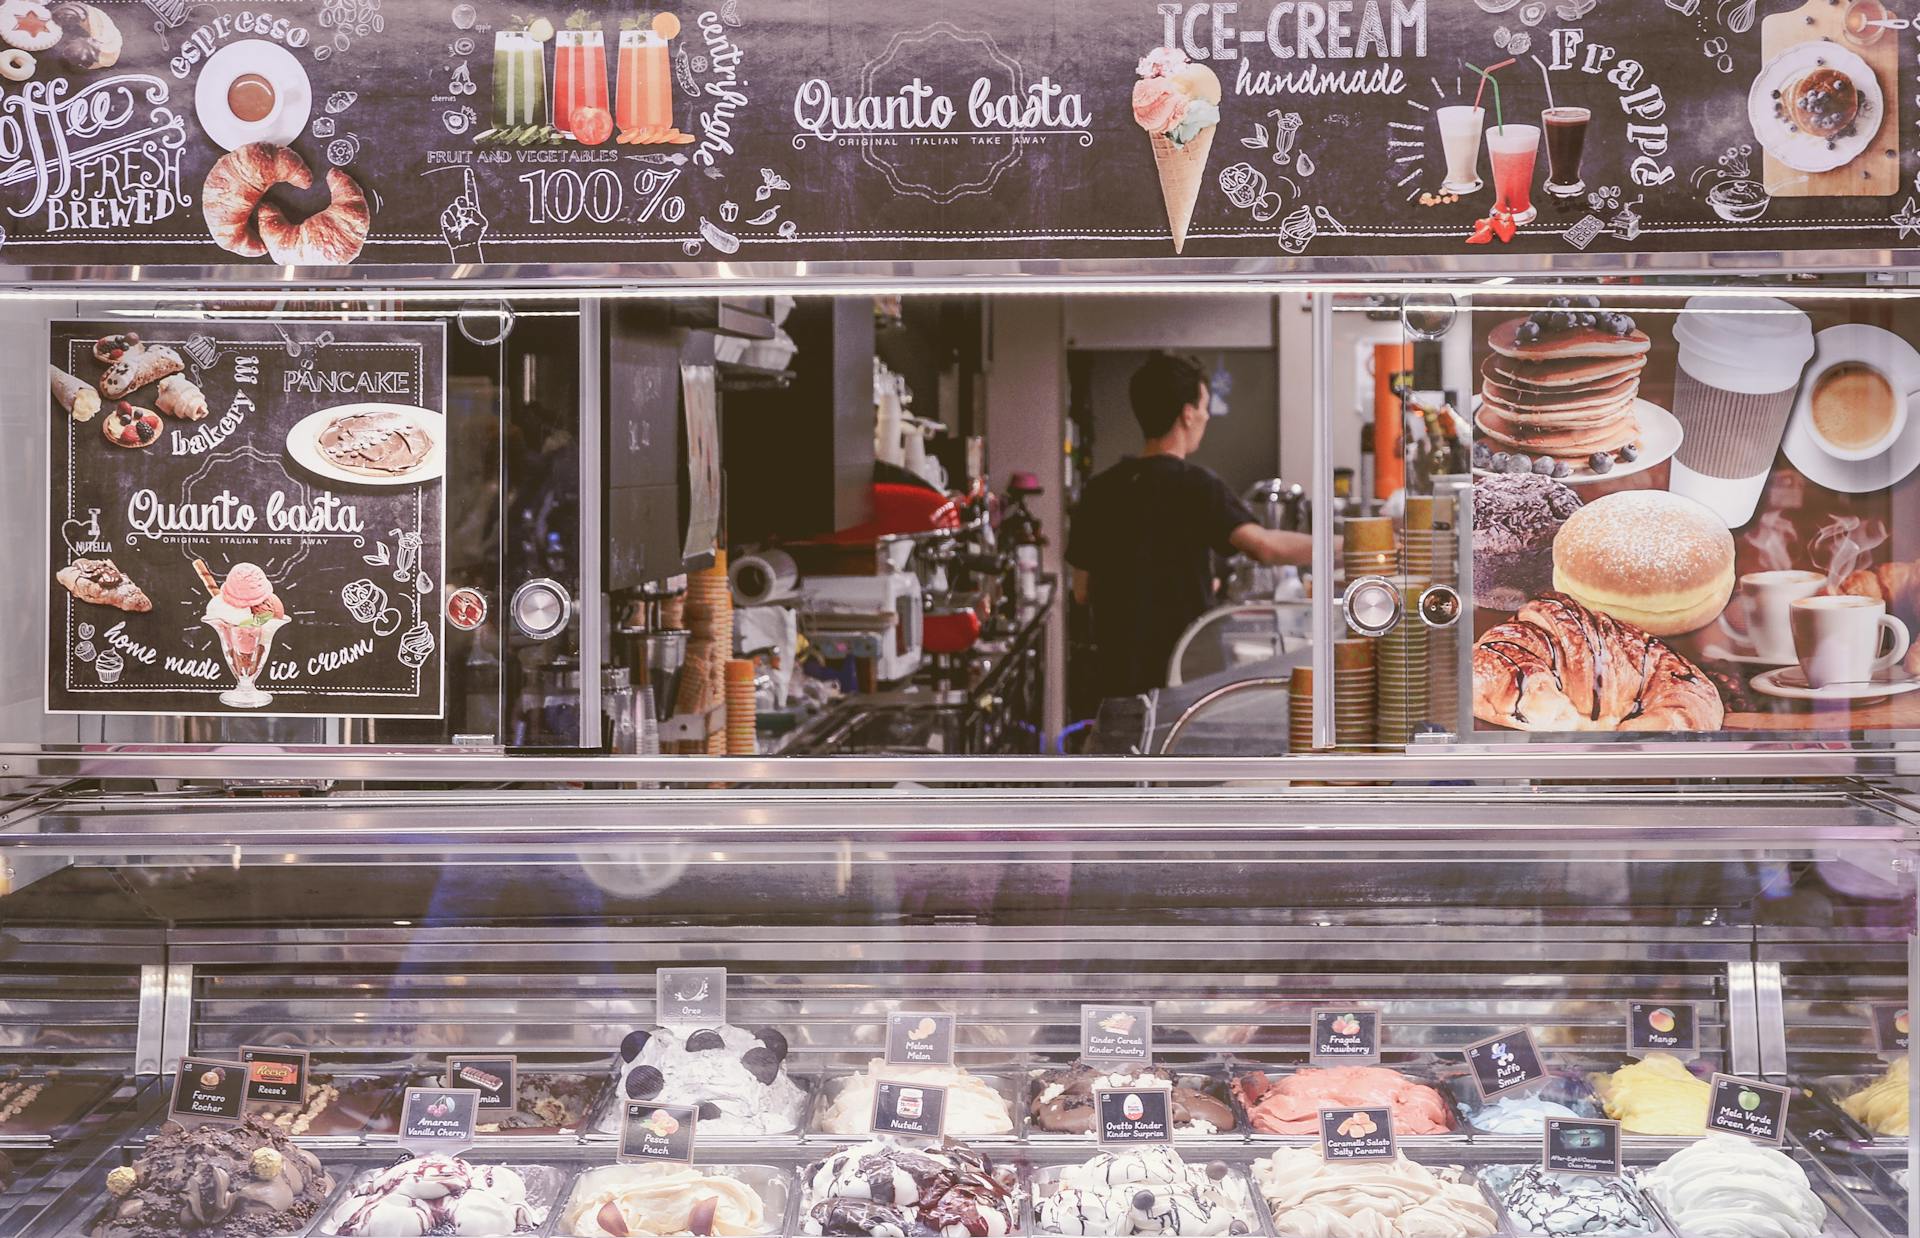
[1460, 139]
[579, 75]
[1513, 150]
[646, 83]
[519, 80]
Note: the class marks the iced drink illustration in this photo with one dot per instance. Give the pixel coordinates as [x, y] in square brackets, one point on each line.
[519, 80]
[1566, 140]
[579, 75]
[1178, 103]
[1513, 150]
[246, 613]
[1460, 139]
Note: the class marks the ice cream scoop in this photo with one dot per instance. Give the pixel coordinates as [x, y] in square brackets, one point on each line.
[1727, 1187]
[247, 586]
[1291, 1105]
[1656, 1095]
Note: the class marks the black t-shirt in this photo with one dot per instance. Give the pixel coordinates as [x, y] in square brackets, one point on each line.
[1145, 532]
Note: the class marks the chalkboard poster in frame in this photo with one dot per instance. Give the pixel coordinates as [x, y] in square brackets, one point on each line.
[246, 518]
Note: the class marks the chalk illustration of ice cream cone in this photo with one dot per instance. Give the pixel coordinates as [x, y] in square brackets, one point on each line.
[1178, 103]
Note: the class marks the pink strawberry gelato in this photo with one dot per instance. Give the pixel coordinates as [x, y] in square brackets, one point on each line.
[1157, 105]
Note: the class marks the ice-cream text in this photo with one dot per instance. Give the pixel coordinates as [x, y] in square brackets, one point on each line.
[1302, 30]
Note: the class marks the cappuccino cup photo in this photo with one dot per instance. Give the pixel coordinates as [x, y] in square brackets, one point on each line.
[1856, 411]
[1845, 640]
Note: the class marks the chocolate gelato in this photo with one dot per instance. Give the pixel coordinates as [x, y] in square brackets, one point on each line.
[1063, 1100]
[1515, 518]
[229, 1181]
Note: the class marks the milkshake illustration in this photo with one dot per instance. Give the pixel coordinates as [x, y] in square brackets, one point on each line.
[246, 613]
[1178, 103]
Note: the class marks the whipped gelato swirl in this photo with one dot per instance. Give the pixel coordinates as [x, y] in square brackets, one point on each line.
[1726, 1187]
[1147, 1190]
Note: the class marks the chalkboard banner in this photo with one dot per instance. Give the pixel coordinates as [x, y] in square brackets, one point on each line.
[321, 135]
[246, 518]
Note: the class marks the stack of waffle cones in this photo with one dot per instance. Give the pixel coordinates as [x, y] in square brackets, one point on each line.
[741, 709]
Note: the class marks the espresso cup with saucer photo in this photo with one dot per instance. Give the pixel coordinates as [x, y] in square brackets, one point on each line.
[1856, 410]
[1845, 640]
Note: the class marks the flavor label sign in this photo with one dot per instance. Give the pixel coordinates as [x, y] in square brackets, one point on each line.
[208, 1090]
[1504, 1063]
[1669, 1027]
[696, 995]
[438, 1119]
[1124, 1116]
[1344, 1037]
[1749, 1109]
[1584, 1147]
[246, 518]
[1364, 1134]
[912, 1109]
[658, 1132]
[1120, 1034]
[919, 1038]
[276, 1076]
[1892, 1027]
[496, 1078]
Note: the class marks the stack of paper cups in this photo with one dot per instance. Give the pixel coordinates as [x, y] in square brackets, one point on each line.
[741, 710]
[1300, 710]
[1353, 693]
[1404, 675]
[1370, 549]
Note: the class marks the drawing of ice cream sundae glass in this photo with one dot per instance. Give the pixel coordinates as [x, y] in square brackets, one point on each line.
[246, 613]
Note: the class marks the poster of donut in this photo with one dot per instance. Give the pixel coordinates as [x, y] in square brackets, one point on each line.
[246, 518]
[1695, 516]
[327, 135]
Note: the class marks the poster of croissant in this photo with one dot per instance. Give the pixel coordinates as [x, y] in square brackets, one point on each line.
[333, 134]
[246, 518]
[1697, 516]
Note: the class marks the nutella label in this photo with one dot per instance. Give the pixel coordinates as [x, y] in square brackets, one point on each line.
[1343, 1036]
[494, 1076]
[1118, 1034]
[208, 1090]
[438, 1119]
[1362, 1134]
[1504, 1063]
[696, 995]
[1580, 1146]
[276, 1076]
[1668, 1027]
[1132, 1115]
[1751, 1110]
[653, 1132]
[919, 1038]
[913, 1109]
[1891, 1027]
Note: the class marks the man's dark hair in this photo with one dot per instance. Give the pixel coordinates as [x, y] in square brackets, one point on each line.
[1161, 388]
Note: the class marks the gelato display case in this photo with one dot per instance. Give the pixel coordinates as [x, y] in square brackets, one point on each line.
[1643, 941]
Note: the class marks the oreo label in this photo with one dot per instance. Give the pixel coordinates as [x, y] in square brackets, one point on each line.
[695, 995]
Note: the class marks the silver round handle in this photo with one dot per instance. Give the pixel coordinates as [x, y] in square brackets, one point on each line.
[541, 609]
[1440, 606]
[1372, 605]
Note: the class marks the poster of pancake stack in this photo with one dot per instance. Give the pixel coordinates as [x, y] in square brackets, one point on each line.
[246, 518]
[1695, 516]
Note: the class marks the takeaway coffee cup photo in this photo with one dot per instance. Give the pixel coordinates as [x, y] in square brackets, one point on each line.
[1839, 639]
[1733, 390]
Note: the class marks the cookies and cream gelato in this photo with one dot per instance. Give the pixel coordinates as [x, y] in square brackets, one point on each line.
[736, 1076]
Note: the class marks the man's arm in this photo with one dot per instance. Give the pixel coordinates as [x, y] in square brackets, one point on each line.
[1272, 547]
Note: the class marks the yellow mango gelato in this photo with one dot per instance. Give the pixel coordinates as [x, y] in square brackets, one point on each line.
[1656, 1095]
[1881, 1106]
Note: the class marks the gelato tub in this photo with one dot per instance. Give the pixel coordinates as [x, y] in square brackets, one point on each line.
[1059, 1100]
[978, 1106]
[659, 1200]
[1143, 1190]
[1289, 1104]
[1308, 1198]
[882, 1188]
[446, 1195]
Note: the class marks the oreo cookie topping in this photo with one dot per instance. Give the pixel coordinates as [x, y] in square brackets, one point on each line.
[644, 1083]
[705, 1042]
[736, 1072]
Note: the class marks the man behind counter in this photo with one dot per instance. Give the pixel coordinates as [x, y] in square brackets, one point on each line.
[1143, 537]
